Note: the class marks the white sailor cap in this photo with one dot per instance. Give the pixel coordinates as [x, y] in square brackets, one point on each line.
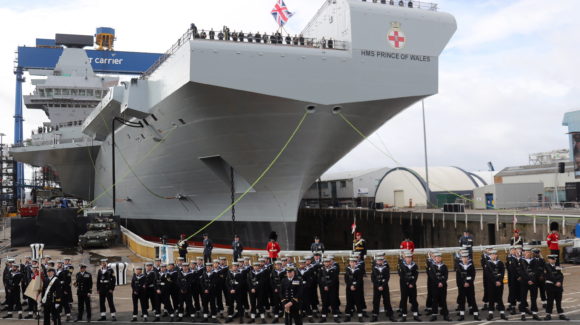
[138, 267]
[256, 264]
[103, 260]
[330, 257]
[10, 260]
[353, 259]
[327, 259]
[408, 254]
[148, 264]
[302, 261]
[222, 258]
[208, 264]
[278, 262]
[261, 259]
[380, 258]
[216, 260]
[464, 254]
[185, 264]
[493, 251]
[437, 254]
[308, 257]
[199, 258]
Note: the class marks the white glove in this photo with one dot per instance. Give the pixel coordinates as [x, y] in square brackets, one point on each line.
[56, 305]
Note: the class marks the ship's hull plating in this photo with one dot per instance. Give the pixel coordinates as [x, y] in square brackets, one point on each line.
[246, 130]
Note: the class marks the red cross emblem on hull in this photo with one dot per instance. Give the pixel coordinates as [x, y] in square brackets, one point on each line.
[396, 37]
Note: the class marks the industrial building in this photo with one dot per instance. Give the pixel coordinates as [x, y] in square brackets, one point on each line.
[407, 187]
[508, 196]
[345, 189]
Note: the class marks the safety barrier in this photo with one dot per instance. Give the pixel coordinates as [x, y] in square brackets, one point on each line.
[149, 250]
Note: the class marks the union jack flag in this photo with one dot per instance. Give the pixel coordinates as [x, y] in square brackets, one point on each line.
[281, 13]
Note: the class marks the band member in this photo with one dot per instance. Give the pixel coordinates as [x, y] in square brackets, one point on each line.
[207, 248]
[554, 287]
[494, 272]
[359, 246]
[528, 272]
[105, 286]
[234, 283]
[291, 298]
[552, 241]
[517, 240]
[465, 274]
[139, 294]
[439, 275]
[408, 275]
[237, 248]
[182, 247]
[353, 278]
[380, 278]
[273, 247]
[84, 284]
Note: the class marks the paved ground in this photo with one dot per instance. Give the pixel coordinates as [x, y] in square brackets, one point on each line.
[123, 303]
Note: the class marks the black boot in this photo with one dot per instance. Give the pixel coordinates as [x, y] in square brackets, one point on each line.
[347, 318]
[102, 319]
[523, 318]
[417, 319]
[476, 317]
[392, 319]
[374, 319]
[503, 316]
[229, 320]
[446, 318]
[403, 319]
[461, 318]
[361, 320]
[548, 317]
[336, 320]
[322, 320]
[113, 319]
[490, 317]
[536, 317]
[433, 318]
[134, 319]
[563, 317]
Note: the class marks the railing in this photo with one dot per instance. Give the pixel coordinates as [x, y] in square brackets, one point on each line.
[55, 141]
[408, 4]
[193, 34]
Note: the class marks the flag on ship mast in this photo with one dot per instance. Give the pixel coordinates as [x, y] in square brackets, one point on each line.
[281, 13]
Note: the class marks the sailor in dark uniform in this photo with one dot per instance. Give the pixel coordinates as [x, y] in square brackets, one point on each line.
[221, 36]
[307, 276]
[295, 40]
[465, 276]
[276, 277]
[211, 34]
[353, 278]
[207, 286]
[241, 36]
[265, 38]
[439, 275]
[151, 290]
[84, 284]
[288, 40]
[380, 276]
[317, 246]
[528, 272]
[163, 291]
[64, 277]
[105, 286]
[203, 34]
[172, 273]
[184, 284]
[234, 282]
[250, 37]
[466, 241]
[512, 266]
[12, 289]
[494, 272]
[429, 260]
[139, 294]
[408, 275]
[237, 246]
[301, 40]
[291, 296]
[540, 280]
[329, 285]
[484, 258]
[554, 287]
[51, 297]
[255, 282]
[207, 248]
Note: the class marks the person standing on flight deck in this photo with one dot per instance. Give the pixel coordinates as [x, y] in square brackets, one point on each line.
[273, 247]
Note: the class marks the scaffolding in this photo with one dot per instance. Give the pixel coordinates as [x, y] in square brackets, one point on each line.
[8, 197]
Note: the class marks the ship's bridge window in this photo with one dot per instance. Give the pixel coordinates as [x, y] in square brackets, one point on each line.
[97, 93]
[89, 92]
[41, 92]
[82, 92]
[48, 92]
[66, 92]
[74, 92]
[57, 92]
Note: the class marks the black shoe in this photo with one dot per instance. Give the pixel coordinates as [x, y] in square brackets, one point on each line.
[20, 317]
[433, 318]
[113, 319]
[347, 319]
[204, 320]
[229, 320]
[28, 317]
[403, 319]
[548, 317]
[275, 320]
[564, 317]
[513, 312]
[134, 319]
[523, 318]
[310, 319]
[503, 316]
[476, 317]
[374, 319]
[361, 320]
[417, 319]
[251, 321]
[68, 318]
[461, 318]
[536, 317]
[144, 320]
[365, 314]
[528, 312]
[490, 317]
[157, 319]
[76, 320]
[392, 319]
[7, 316]
[264, 321]
[322, 320]
[336, 320]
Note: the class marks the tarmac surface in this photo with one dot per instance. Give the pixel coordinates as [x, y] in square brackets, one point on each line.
[123, 303]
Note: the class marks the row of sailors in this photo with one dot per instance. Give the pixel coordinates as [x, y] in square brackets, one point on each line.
[401, 3]
[275, 38]
[194, 288]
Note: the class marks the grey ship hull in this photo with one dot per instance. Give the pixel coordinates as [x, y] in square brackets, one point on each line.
[246, 130]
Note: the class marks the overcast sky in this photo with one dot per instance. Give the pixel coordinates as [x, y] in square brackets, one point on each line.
[507, 77]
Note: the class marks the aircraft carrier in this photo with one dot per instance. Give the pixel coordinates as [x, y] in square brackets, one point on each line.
[204, 122]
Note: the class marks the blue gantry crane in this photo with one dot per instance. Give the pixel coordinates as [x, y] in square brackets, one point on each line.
[44, 56]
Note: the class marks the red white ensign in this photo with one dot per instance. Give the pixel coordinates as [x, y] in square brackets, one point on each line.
[397, 38]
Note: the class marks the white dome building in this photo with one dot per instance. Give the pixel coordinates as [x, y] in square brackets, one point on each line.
[404, 187]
